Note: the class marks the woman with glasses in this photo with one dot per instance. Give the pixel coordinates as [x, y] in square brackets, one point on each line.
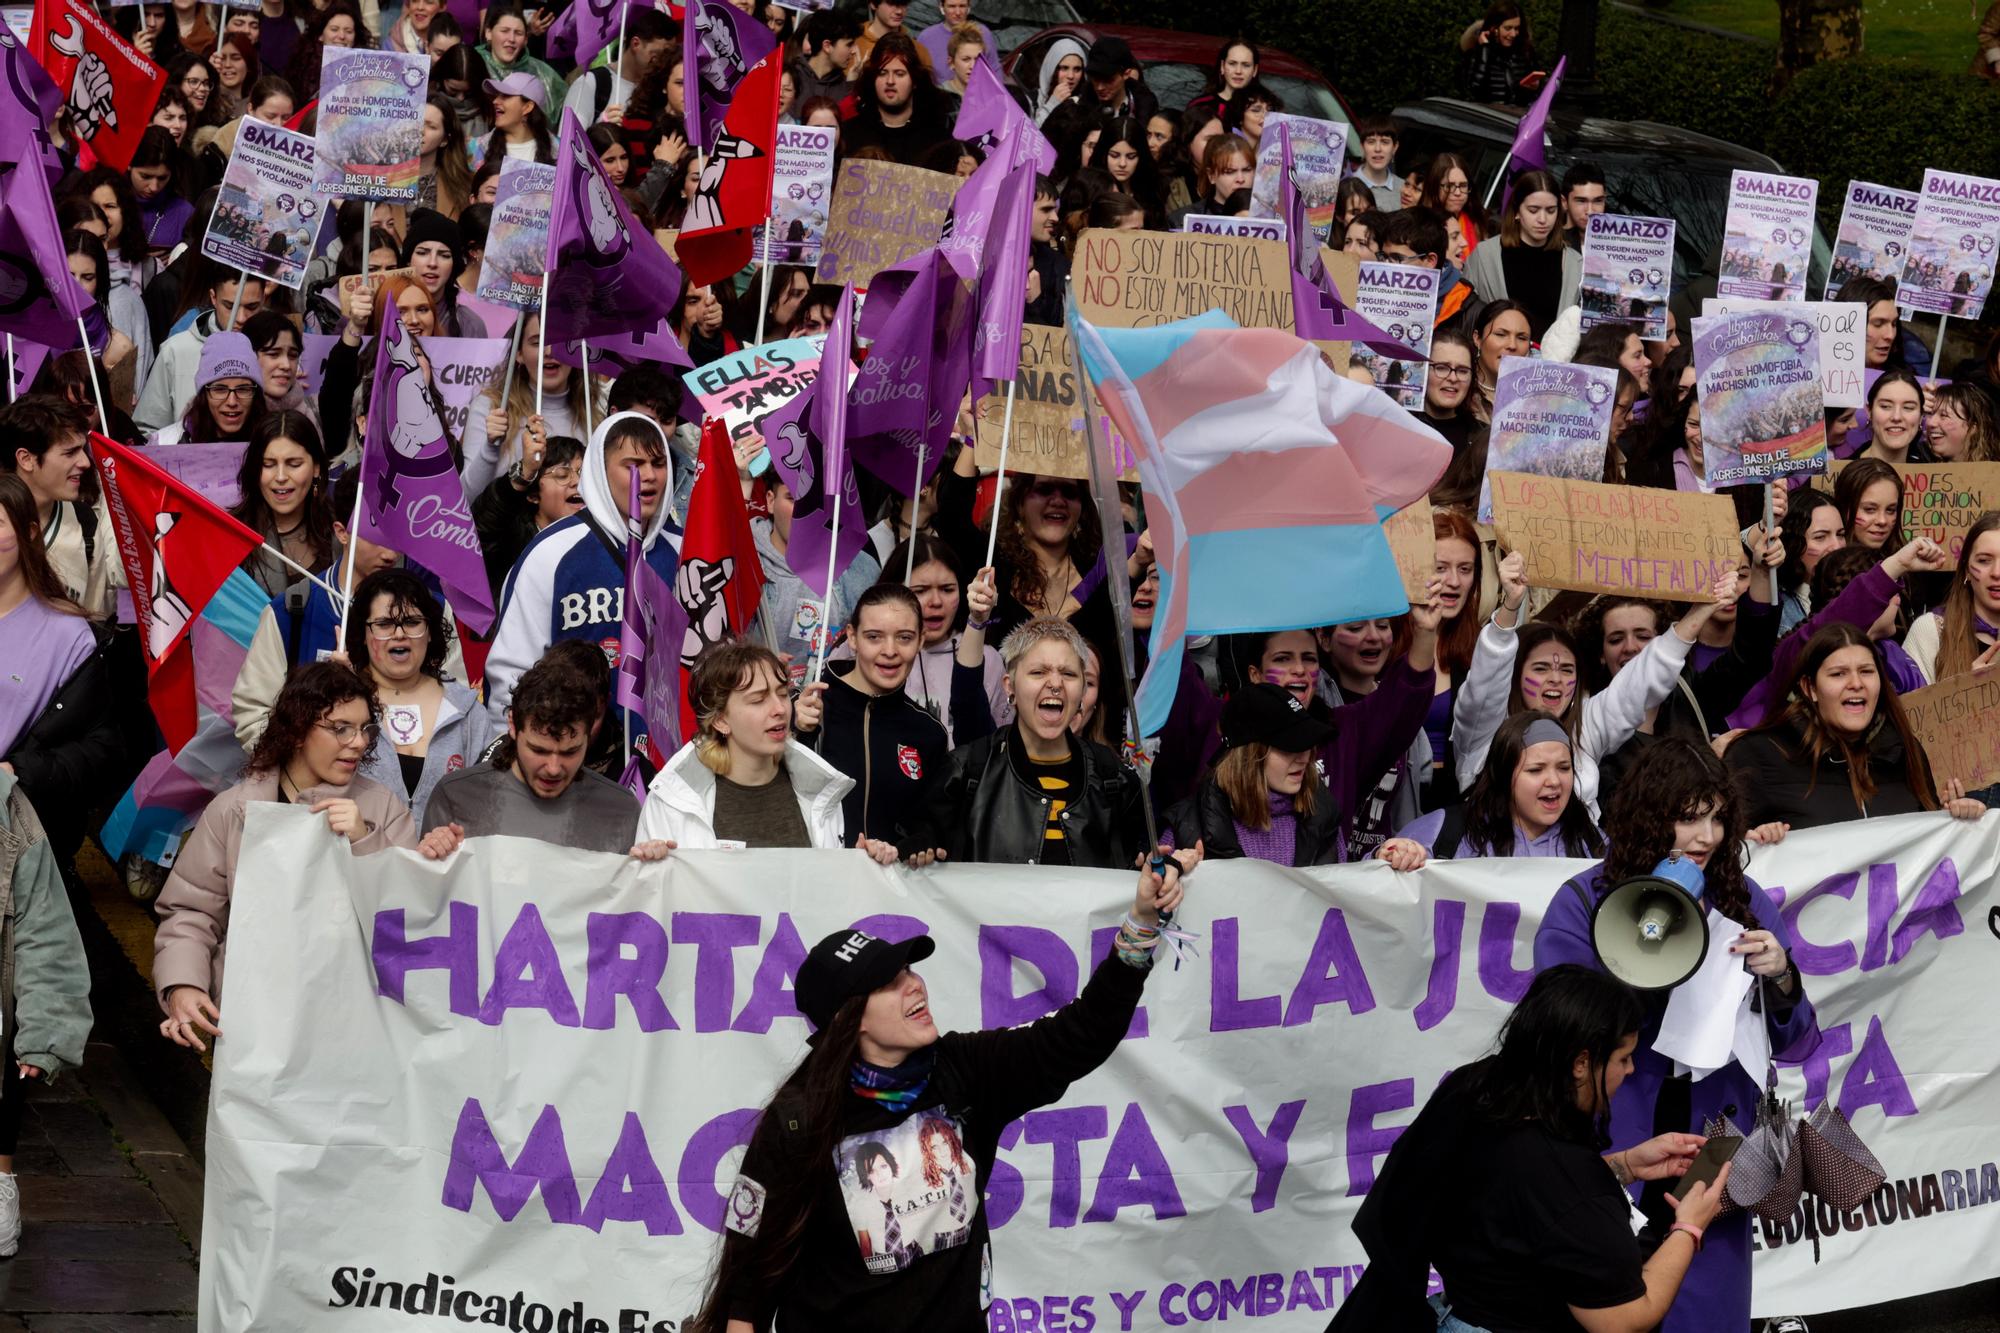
[431, 726]
[322, 729]
[228, 401]
[1447, 386]
[1448, 191]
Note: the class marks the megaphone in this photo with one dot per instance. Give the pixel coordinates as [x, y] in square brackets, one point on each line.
[1651, 932]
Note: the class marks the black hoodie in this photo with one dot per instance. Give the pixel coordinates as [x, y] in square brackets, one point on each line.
[889, 744]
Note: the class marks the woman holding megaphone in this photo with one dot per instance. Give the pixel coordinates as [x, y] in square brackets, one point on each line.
[1682, 804]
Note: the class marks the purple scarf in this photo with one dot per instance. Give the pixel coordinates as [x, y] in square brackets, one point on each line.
[1279, 842]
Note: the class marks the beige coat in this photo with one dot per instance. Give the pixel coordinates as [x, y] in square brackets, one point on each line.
[194, 906]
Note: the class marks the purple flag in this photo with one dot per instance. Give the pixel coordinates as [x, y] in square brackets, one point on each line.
[808, 443]
[1003, 283]
[990, 118]
[649, 641]
[1529, 152]
[1318, 313]
[920, 363]
[721, 43]
[1011, 143]
[29, 101]
[411, 499]
[586, 28]
[607, 274]
[616, 353]
[30, 246]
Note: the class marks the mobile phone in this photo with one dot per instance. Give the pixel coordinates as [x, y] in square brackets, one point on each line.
[1535, 80]
[1708, 1164]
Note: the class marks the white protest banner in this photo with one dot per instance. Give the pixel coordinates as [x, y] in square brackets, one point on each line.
[1949, 269]
[1319, 155]
[266, 215]
[1767, 236]
[1843, 329]
[1214, 224]
[1401, 300]
[1874, 235]
[526, 1075]
[370, 130]
[801, 183]
[517, 238]
[460, 368]
[1762, 416]
[1628, 272]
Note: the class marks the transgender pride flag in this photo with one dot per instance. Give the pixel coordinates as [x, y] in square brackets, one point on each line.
[1267, 477]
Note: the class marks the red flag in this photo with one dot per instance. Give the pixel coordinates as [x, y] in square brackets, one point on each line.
[178, 548]
[735, 187]
[108, 88]
[721, 578]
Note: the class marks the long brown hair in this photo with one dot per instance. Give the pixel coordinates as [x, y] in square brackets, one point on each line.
[1018, 555]
[1458, 636]
[1240, 775]
[1523, 185]
[18, 502]
[1802, 713]
[1958, 641]
[1677, 781]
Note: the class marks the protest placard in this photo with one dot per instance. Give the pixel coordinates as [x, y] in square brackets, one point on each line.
[1843, 330]
[1940, 500]
[1401, 300]
[1048, 436]
[1874, 235]
[460, 368]
[517, 237]
[370, 130]
[1590, 537]
[801, 181]
[1319, 156]
[1762, 414]
[881, 214]
[1628, 272]
[1949, 268]
[1550, 418]
[109, 88]
[208, 468]
[371, 282]
[266, 215]
[1767, 236]
[1958, 722]
[743, 388]
[1412, 534]
[1214, 224]
[1137, 279]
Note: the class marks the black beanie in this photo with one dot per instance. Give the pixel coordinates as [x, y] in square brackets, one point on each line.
[427, 224]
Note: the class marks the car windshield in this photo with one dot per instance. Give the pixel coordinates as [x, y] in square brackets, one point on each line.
[1012, 21]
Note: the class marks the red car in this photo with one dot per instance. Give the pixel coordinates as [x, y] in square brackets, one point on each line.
[1176, 67]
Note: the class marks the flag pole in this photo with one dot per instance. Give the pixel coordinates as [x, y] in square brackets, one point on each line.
[290, 563]
[1000, 484]
[11, 394]
[1937, 353]
[916, 489]
[90, 364]
[367, 235]
[583, 348]
[353, 535]
[764, 283]
[236, 306]
[829, 485]
[544, 341]
[513, 359]
[1498, 176]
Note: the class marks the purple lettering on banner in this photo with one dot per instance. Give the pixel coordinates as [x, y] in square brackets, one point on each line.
[632, 1188]
[1238, 1297]
[1226, 1012]
[1064, 1129]
[610, 972]
[1932, 912]
[1127, 1302]
[716, 937]
[1498, 928]
[1332, 974]
[528, 975]
[999, 948]
[1270, 1294]
[1883, 899]
[1100, 949]
[1302, 1290]
[1816, 960]
[1365, 1141]
[476, 1159]
[1269, 1149]
[1169, 1316]
[771, 990]
[1441, 995]
[1875, 1079]
[892, 927]
[701, 1159]
[1817, 1067]
[457, 951]
[1135, 1174]
[1004, 1190]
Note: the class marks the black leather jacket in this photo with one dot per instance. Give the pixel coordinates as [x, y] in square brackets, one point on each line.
[984, 811]
[1206, 815]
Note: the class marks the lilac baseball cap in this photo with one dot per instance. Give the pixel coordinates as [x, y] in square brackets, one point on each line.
[520, 84]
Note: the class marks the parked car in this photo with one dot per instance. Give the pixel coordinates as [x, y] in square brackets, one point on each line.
[1012, 23]
[1651, 170]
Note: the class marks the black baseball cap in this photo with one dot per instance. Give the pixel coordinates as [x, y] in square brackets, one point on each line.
[848, 963]
[1110, 55]
[1271, 715]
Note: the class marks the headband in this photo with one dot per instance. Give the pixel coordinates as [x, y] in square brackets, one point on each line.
[1545, 729]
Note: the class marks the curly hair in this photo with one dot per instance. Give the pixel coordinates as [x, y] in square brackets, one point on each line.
[1678, 781]
[406, 592]
[1023, 569]
[1806, 502]
[311, 692]
[937, 1128]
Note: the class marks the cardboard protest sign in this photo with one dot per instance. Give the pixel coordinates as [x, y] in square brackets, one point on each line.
[743, 388]
[1550, 418]
[371, 123]
[1412, 535]
[1214, 224]
[266, 214]
[1958, 722]
[208, 468]
[1940, 500]
[1137, 279]
[1048, 434]
[1843, 335]
[1628, 272]
[1401, 300]
[881, 214]
[371, 282]
[1762, 413]
[460, 369]
[109, 88]
[517, 239]
[1767, 236]
[1949, 268]
[1589, 537]
[1874, 235]
[1319, 157]
[802, 180]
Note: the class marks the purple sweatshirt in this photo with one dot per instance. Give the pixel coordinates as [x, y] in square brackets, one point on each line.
[44, 648]
[1860, 604]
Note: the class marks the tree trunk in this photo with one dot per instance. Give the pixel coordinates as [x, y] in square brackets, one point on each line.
[1810, 31]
